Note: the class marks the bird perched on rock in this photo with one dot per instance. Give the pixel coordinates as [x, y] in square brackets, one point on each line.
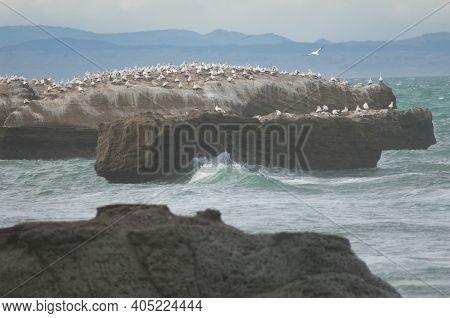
[325, 108]
[218, 109]
[229, 79]
[370, 82]
[345, 110]
[380, 79]
[26, 101]
[196, 86]
[391, 105]
[335, 112]
[180, 85]
[165, 84]
[80, 89]
[358, 109]
[318, 109]
[366, 106]
[277, 112]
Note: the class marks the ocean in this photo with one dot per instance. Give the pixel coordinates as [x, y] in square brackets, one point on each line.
[397, 216]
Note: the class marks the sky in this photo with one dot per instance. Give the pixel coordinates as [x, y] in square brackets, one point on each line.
[299, 20]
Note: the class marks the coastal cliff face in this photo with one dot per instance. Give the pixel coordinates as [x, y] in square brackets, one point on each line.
[18, 143]
[150, 252]
[263, 94]
[138, 149]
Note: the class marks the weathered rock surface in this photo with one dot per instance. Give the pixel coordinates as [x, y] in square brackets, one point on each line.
[106, 102]
[47, 142]
[149, 252]
[334, 142]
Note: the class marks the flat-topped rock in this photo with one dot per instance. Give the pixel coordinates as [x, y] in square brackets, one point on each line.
[151, 147]
[244, 91]
[146, 251]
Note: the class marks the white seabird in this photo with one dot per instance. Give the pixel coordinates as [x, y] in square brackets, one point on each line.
[26, 101]
[370, 82]
[196, 86]
[391, 105]
[318, 109]
[277, 112]
[229, 79]
[358, 109]
[180, 85]
[325, 108]
[218, 109]
[316, 52]
[366, 106]
[80, 89]
[165, 84]
[335, 112]
[380, 79]
[345, 110]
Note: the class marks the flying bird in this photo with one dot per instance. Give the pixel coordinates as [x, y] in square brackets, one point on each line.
[316, 52]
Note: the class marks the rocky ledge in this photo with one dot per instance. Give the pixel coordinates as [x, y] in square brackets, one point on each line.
[146, 251]
[151, 146]
[173, 90]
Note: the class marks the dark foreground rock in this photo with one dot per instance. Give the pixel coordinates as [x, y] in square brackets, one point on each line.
[142, 148]
[47, 142]
[149, 252]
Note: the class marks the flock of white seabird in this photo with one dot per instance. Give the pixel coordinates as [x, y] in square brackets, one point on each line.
[184, 76]
[324, 109]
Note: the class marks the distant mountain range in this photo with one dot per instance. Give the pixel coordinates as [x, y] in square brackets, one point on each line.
[31, 52]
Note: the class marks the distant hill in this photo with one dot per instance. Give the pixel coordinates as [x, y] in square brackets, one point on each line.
[30, 52]
[12, 35]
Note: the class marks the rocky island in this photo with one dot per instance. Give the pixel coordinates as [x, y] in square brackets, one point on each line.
[146, 251]
[168, 90]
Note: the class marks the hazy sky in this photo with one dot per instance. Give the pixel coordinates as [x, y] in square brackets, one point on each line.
[300, 20]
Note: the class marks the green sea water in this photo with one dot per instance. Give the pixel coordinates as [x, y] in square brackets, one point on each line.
[397, 216]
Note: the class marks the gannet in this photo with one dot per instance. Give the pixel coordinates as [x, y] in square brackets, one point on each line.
[380, 79]
[80, 89]
[189, 78]
[345, 110]
[180, 85]
[370, 81]
[325, 108]
[229, 79]
[165, 84]
[218, 109]
[366, 106]
[26, 101]
[277, 112]
[316, 52]
[195, 86]
[391, 105]
[318, 109]
[358, 109]
[335, 112]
